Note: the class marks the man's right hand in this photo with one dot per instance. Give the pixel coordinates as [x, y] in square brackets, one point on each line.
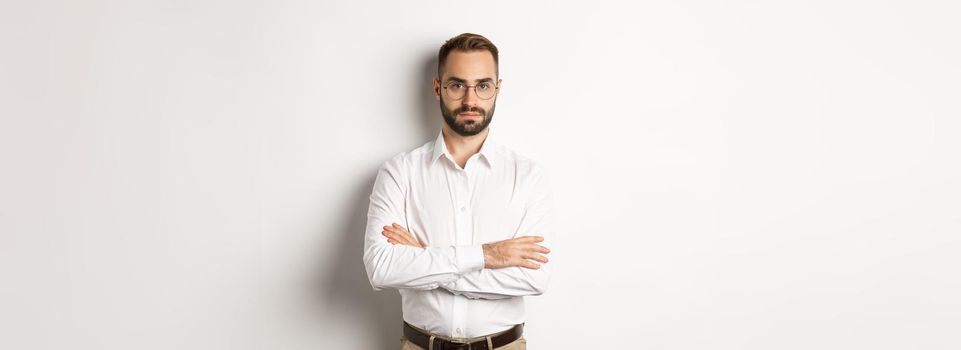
[515, 252]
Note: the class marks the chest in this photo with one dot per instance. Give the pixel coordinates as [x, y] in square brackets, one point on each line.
[457, 208]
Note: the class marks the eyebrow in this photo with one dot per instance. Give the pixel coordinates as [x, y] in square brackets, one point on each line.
[464, 81]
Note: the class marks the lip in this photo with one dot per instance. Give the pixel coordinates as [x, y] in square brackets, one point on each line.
[469, 115]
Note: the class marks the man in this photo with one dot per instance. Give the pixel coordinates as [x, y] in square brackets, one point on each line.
[456, 224]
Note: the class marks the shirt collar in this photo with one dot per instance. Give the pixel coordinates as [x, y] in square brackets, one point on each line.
[487, 150]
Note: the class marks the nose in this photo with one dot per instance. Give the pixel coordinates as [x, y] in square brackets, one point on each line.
[470, 98]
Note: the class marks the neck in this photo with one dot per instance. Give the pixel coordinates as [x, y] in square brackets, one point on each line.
[462, 147]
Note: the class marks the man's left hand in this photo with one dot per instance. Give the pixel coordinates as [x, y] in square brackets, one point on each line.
[397, 234]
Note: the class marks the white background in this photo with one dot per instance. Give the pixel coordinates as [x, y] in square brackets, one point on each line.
[728, 175]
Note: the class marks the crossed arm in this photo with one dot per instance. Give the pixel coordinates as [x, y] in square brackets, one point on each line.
[495, 270]
[503, 275]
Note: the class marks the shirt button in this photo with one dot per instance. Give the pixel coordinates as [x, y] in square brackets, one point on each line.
[463, 209]
[458, 331]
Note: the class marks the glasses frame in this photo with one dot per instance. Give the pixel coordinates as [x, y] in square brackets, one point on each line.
[470, 87]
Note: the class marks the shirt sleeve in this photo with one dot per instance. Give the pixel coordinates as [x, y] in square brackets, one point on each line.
[515, 281]
[401, 266]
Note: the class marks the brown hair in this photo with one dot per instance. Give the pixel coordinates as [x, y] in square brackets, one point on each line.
[465, 42]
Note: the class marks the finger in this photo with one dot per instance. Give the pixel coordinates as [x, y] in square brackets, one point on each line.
[394, 231]
[396, 237]
[395, 242]
[413, 239]
[405, 237]
[416, 241]
[401, 233]
[409, 236]
[534, 239]
[531, 247]
[391, 238]
[538, 257]
[530, 265]
[395, 227]
[390, 230]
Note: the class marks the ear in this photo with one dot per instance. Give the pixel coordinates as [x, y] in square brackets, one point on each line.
[436, 88]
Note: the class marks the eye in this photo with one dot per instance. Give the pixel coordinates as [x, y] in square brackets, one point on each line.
[484, 86]
[456, 86]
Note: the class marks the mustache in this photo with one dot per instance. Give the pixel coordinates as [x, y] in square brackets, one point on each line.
[470, 110]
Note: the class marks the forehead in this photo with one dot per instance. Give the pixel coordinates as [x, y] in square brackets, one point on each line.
[472, 65]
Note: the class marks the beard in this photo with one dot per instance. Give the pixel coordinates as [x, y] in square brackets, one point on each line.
[466, 127]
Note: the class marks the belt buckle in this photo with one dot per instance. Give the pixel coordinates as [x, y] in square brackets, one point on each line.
[456, 345]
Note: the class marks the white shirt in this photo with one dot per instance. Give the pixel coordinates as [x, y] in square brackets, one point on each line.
[452, 211]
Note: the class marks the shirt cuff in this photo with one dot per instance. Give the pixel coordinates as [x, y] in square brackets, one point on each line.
[469, 258]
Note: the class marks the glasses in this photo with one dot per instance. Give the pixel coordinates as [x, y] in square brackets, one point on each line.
[456, 90]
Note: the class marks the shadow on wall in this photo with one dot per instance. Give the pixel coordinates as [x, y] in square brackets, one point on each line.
[346, 286]
[429, 106]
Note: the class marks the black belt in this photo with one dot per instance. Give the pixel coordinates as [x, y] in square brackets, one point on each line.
[422, 339]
